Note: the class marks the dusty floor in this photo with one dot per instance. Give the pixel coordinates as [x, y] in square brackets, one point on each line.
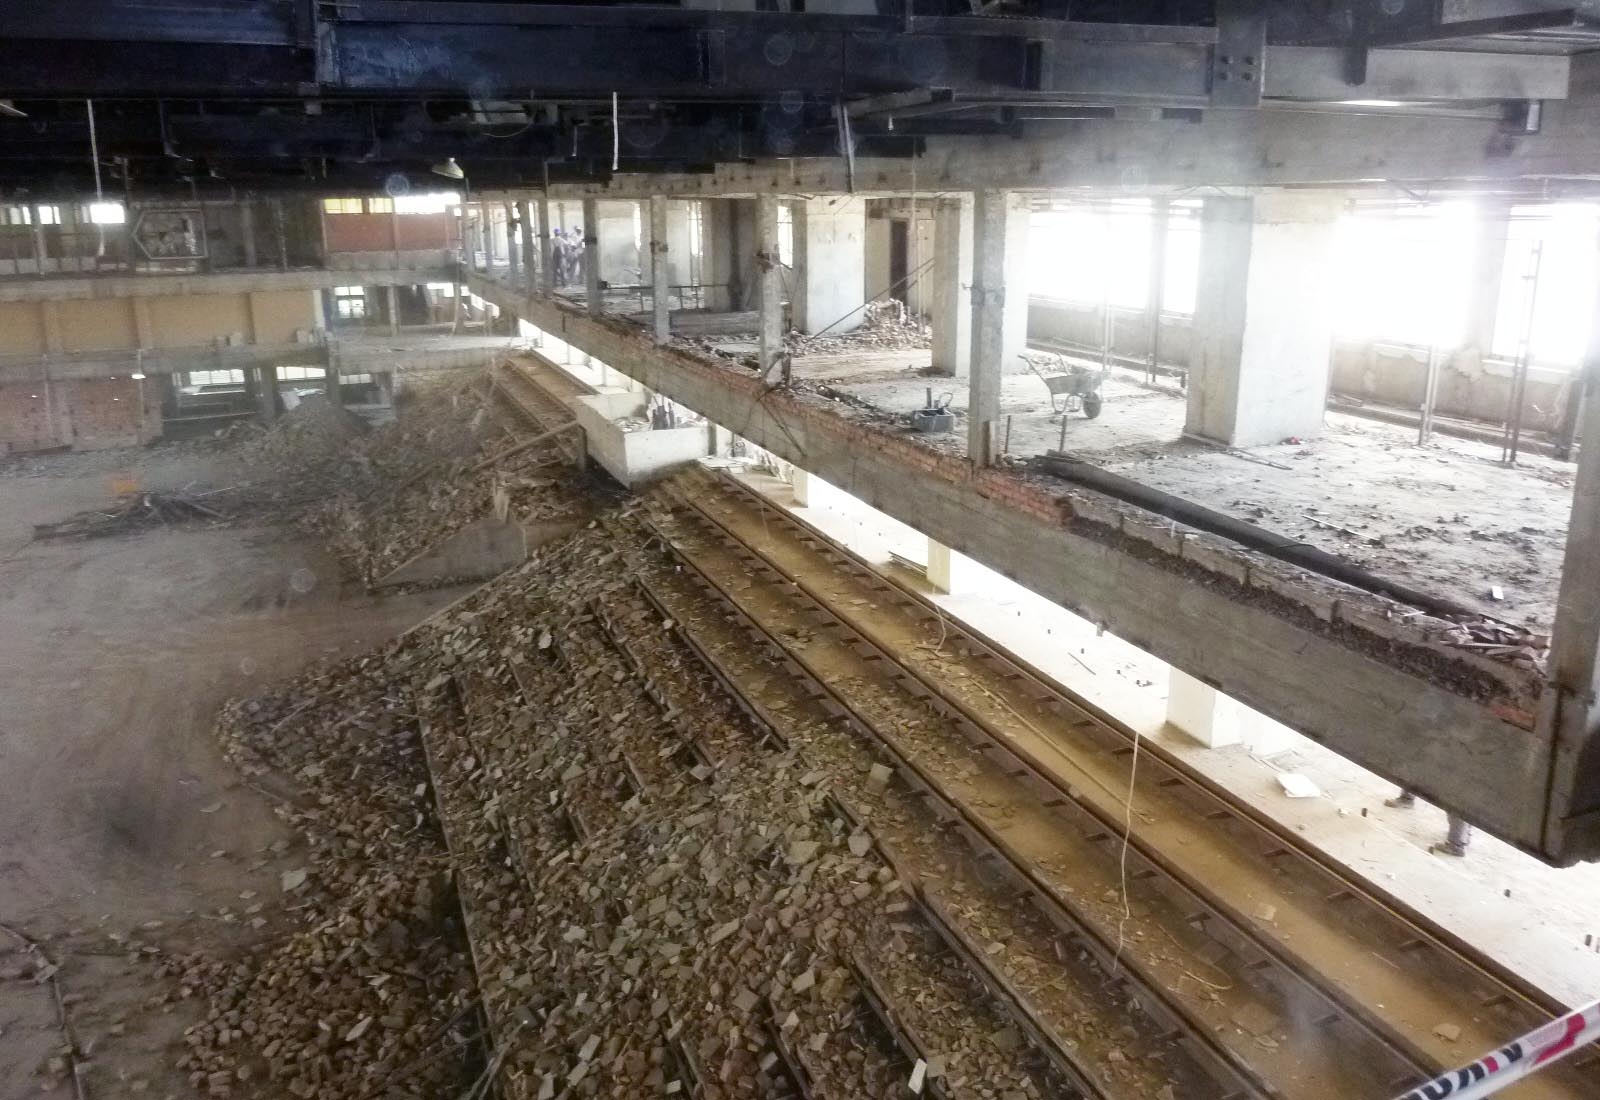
[118, 816]
[1447, 517]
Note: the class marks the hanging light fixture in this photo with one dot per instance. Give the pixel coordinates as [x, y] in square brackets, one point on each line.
[449, 169]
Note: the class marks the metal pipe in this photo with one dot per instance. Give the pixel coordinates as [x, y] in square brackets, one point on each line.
[1256, 538]
[1430, 395]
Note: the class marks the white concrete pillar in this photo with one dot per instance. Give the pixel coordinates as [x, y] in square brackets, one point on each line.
[952, 287]
[940, 567]
[591, 257]
[999, 312]
[660, 278]
[1263, 325]
[800, 486]
[1202, 712]
[393, 304]
[830, 260]
[769, 281]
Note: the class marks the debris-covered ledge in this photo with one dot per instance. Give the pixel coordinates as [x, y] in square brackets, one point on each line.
[1490, 663]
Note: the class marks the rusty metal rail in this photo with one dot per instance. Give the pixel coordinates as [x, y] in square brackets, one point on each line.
[1232, 1078]
[1498, 1001]
[1515, 1000]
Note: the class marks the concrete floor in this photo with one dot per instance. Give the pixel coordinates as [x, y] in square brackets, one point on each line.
[114, 797]
[1532, 917]
[1446, 517]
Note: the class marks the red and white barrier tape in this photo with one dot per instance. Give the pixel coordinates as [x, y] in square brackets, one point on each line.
[1516, 1060]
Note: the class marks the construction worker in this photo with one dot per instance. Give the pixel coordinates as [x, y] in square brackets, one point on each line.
[1458, 833]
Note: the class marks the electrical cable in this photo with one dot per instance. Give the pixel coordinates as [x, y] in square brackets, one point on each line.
[1122, 863]
[99, 192]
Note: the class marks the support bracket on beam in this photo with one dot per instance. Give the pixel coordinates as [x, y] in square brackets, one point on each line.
[1239, 59]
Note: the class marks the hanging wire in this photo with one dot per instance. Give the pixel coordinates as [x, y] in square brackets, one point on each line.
[616, 135]
[99, 193]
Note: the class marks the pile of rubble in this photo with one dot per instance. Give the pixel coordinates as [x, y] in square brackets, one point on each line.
[371, 993]
[661, 897]
[408, 485]
[885, 326]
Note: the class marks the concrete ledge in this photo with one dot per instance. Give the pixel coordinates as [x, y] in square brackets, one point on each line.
[62, 288]
[1333, 673]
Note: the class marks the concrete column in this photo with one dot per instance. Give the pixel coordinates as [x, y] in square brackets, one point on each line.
[525, 220]
[247, 232]
[591, 256]
[331, 379]
[547, 263]
[1200, 711]
[800, 486]
[41, 247]
[53, 342]
[769, 280]
[267, 393]
[513, 241]
[830, 261]
[660, 279]
[1263, 325]
[1569, 714]
[1156, 280]
[393, 296]
[952, 287]
[996, 215]
[1488, 271]
[940, 567]
[143, 328]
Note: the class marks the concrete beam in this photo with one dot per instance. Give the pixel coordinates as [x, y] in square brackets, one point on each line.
[1219, 613]
[1570, 712]
[232, 282]
[1247, 149]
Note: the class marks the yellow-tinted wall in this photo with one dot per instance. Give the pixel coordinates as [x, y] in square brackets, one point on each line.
[197, 319]
[280, 313]
[21, 328]
[190, 321]
[104, 324]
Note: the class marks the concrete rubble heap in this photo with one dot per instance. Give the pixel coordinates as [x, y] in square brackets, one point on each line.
[389, 494]
[371, 990]
[657, 896]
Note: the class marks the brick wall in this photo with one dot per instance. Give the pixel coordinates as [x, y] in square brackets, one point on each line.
[84, 413]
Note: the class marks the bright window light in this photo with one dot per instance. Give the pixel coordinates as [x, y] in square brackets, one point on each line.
[430, 202]
[49, 215]
[1402, 274]
[1550, 258]
[785, 235]
[1091, 253]
[341, 206]
[107, 213]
